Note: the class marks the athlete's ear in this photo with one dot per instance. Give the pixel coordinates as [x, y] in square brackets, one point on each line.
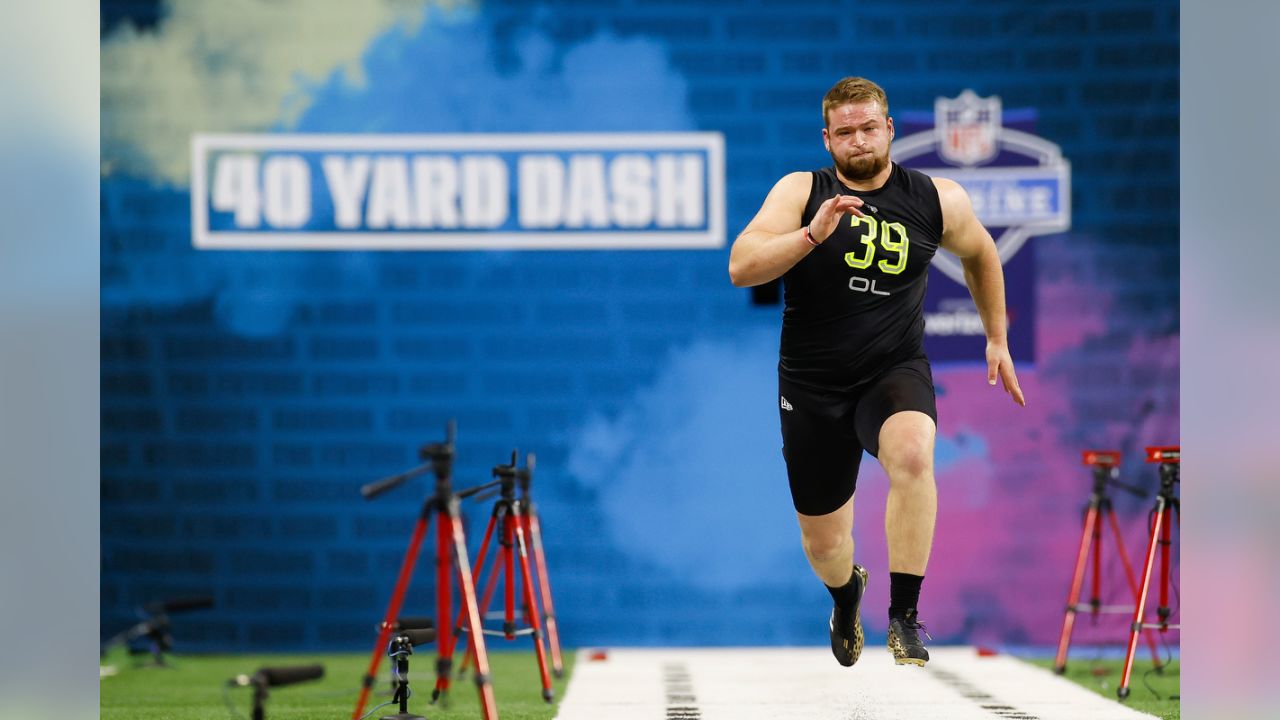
[889, 122]
[826, 140]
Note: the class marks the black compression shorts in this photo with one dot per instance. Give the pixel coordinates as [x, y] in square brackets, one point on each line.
[824, 433]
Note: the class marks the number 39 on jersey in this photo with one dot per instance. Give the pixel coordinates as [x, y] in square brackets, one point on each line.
[892, 238]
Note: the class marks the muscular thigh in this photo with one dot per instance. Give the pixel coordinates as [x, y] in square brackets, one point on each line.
[905, 388]
[820, 446]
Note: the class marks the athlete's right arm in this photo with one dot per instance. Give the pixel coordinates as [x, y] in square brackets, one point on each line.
[774, 241]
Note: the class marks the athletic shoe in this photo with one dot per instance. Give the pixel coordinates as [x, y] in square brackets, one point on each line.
[846, 639]
[904, 640]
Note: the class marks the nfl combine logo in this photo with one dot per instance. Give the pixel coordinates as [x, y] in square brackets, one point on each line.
[967, 128]
[1020, 187]
[1020, 184]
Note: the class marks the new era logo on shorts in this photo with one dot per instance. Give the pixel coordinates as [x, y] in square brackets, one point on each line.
[785, 405]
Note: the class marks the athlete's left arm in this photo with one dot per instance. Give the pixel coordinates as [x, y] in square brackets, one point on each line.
[963, 235]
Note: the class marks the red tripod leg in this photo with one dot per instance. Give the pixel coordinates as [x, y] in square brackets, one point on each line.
[1166, 544]
[444, 600]
[1133, 586]
[487, 703]
[475, 572]
[487, 597]
[509, 577]
[544, 584]
[393, 610]
[1073, 596]
[532, 604]
[1123, 690]
[1095, 600]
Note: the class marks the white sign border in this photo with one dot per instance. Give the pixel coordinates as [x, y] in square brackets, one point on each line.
[712, 238]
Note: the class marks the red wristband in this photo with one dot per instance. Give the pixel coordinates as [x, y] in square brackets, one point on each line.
[809, 236]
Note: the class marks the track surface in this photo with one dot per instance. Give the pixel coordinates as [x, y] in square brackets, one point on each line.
[807, 684]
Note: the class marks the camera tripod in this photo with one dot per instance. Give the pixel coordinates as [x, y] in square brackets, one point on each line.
[534, 528]
[1106, 467]
[511, 517]
[451, 553]
[1167, 505]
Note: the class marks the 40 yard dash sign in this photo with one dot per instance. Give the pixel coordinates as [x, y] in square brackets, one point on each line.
[449, 192]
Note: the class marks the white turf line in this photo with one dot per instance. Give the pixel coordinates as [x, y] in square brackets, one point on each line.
[808, 684]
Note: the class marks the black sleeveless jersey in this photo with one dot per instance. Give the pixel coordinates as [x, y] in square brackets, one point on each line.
[855, 304]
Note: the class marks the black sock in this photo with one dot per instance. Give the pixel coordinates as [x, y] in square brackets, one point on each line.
[846, 597]
[904, 593]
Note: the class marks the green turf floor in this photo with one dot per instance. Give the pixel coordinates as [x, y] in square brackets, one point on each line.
[1150, 692]
[193, 688]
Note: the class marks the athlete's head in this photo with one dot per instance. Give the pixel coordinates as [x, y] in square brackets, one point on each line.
[858, 129]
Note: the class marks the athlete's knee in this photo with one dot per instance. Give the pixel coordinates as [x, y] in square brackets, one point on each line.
[906, 448]
[825, 546]
[910, 463]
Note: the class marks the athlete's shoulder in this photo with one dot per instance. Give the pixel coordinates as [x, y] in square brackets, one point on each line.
[951, 194]
[823, 181]
[946, 185]
[800, 178]
[794, 187]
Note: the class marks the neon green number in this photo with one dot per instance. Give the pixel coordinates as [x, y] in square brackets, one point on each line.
[868, 239]
[900, 246]
[886, 231]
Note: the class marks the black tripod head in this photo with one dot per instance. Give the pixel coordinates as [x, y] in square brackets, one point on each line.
[508, 478]
[506, 475]
[439, 460]
[1106, 472]
[1170, 459]
[441, 454]
[525, 475]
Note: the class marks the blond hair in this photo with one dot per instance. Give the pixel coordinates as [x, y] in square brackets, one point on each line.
[853, 89]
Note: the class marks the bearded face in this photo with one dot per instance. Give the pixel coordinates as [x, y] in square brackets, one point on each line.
[860, 166]
[858, 135]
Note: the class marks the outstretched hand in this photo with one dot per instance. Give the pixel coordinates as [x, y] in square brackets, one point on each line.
[999, 363]
[829, 213]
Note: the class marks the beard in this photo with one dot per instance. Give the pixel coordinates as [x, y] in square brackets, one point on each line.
[863, 167]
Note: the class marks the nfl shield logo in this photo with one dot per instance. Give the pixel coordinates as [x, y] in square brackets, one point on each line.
[967, 128]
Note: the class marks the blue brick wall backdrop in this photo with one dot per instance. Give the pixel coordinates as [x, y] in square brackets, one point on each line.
[247, 395]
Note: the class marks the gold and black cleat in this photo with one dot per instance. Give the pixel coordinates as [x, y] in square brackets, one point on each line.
[904, 640]
[847, 638]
